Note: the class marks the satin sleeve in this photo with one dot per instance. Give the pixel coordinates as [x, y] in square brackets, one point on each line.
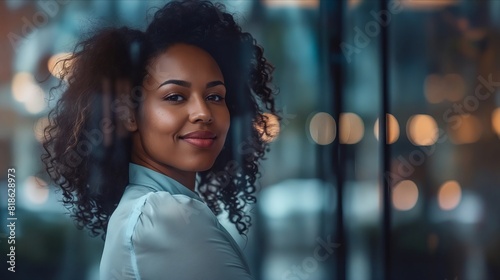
[178, 238]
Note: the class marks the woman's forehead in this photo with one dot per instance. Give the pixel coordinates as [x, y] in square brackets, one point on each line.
[184, 61]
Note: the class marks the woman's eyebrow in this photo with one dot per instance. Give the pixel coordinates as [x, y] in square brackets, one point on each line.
[214, 83]
[188, 84]
[176, 82]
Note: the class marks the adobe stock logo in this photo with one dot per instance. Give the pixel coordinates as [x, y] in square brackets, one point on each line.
[48, 9]
[363, 38]
[309, 265]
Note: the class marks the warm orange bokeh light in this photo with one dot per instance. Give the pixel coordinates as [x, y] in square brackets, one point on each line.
[422, 130]
[468, 131]
[495, 121]
[351, 128]
[449, 195]
[393, 126]
[322, 128]
[405, 195]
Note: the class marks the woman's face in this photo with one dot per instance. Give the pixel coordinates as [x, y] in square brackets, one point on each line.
[182, 121]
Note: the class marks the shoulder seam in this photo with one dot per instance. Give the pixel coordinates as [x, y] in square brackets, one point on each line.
[131, 223]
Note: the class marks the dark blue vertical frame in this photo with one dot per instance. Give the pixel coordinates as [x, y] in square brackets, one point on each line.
[331, 20]
[385, 149]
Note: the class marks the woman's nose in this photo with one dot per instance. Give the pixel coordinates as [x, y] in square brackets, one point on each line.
[200, 112]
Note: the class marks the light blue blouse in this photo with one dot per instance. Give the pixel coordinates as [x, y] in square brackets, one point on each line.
[163, 230]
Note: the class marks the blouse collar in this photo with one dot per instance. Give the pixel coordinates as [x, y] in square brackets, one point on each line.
[143, 176]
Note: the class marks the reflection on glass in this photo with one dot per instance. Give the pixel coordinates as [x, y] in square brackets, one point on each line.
[422, 130]
[449, 195]
[405, 195]
[467, 130]
[351, 128]
[322, 128]
[393, 127]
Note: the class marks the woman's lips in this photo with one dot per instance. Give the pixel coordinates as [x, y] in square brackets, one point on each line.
[201, 138]
[200, 142]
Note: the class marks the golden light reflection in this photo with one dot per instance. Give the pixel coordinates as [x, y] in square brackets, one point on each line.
[322, 128]
[273, 128]
[393, 125]
[56, 63]
[405, 195]
[495, 121]
[36, 190]
[449, 196]
[351, 128]
[468, 131]
[292, 3]
[422, 130]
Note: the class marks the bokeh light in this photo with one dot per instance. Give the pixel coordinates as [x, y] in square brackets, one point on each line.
[495, 121]
[433, 88]
[422, 130]
[393, 126]
[405, 195]
[351, 128]
[27, 91]
[36, 190]
[468, 129]
[450, 194]
[23, 86]
[322, 128]
[438, 88]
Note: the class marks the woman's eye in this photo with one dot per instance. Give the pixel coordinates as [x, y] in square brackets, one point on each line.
[216, 98]
[174, 98]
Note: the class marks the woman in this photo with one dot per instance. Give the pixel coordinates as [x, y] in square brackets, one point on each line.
[155, 134]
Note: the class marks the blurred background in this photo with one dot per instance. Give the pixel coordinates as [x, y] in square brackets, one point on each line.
[334, 201]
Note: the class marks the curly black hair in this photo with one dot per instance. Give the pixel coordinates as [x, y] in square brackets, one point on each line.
[87, 149]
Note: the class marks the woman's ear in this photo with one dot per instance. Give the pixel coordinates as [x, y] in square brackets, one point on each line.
[130, 122]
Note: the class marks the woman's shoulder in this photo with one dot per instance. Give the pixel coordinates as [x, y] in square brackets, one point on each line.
[176, 209]
[142, 211]
[159, 230]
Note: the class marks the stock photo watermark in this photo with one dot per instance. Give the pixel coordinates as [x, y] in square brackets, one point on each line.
[453, 116]
[47, 9]
[310, 264]
[11, 219]
[363, 37]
